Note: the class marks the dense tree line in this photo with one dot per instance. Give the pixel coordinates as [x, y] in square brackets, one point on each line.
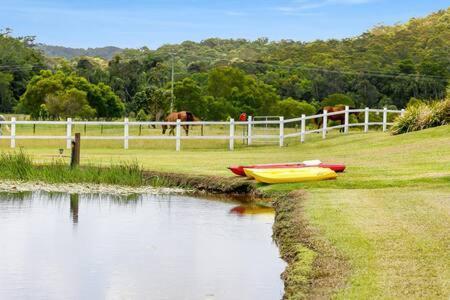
[220, 78]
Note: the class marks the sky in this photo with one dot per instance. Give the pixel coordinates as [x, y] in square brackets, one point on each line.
[152, 23]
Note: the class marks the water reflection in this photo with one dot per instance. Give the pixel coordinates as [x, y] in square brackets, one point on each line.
[139, 247]
[74, 207]
[252, 209]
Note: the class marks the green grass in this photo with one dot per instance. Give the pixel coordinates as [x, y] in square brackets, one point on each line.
[19, 166]
[388, 214]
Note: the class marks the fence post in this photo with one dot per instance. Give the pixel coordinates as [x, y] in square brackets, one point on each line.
[347, 119]
[75, 156]
[384, 119]
[249, 130]
[324, 124]
[178, 136]
[402, 112]
[125, 133]
[231, 134]
[281, 131]
[366, 119]
[303, 129]
[13, 132]
[69, 133]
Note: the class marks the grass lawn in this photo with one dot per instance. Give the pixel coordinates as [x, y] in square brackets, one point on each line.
[388, 214]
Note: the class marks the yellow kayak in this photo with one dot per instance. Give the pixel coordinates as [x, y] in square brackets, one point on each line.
[290, 174]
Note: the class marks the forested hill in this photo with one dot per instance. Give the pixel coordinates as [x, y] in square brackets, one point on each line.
[220, 78]
[69, 53]
[421, 43]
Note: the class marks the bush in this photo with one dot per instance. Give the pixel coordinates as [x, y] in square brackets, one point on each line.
[420, 115]
[290, 108]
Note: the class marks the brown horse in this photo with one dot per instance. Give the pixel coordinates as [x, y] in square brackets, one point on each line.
[183, 116]
[339, 117]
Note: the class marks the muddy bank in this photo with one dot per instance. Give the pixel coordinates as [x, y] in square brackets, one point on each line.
[84, 188]
[315, 269]
[233, 186]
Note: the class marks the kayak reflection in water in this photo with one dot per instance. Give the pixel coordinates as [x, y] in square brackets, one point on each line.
[251, 210]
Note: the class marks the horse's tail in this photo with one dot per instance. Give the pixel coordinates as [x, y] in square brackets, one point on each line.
[318, 121]
[189, 116]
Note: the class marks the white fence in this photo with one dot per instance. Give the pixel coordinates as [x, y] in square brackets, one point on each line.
[231, 137]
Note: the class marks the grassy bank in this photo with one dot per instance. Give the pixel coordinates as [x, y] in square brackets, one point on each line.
[387, 217]
[20, 166]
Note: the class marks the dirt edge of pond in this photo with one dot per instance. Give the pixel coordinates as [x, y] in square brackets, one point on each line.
[315, 270]
[232, 186]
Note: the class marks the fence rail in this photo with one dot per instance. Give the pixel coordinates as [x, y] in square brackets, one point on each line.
[247, 134]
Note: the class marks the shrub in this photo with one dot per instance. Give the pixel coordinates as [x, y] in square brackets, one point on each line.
[421, 115]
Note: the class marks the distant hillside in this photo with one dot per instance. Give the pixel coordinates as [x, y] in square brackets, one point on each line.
[66, 52]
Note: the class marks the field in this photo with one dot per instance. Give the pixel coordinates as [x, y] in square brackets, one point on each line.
[388, 214]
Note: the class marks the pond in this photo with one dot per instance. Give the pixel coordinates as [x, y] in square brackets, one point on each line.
[61, 246]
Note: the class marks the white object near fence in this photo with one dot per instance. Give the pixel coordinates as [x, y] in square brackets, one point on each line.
[281, 131]
[125, 133]
[346, 119]
[69, 133]
[303, 129]
[231, 134]
[366, 119]
[402, 112]
[384, 119]
[285, 132]
[249, 130]
[13, 132]
[178, 136]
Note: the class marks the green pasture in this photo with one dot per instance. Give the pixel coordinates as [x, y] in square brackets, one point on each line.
[388, 214]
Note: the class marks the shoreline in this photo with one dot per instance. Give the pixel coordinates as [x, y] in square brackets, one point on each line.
[313, 267]
[10, 186]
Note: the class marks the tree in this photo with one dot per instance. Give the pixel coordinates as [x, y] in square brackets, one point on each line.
[337, 99]
[19, 61]
[153, 101]
[188, 96]
[99, 97]
[7, 100]
[69, 103]
[291, 108]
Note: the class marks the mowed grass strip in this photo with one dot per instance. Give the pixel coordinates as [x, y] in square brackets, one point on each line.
[396, 240]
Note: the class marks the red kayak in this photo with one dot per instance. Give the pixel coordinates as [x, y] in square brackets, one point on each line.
[239, 170]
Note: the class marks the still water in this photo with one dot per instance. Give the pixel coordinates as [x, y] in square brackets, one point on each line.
[61, 246]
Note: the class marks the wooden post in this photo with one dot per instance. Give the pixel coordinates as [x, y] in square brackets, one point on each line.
[34, 129]
[303, 129]
[281, 131]
[75, 157]
[140, 129]
[347, 119]
[249, 130]
[85, 128]
[74, 204]
[13, 132]
[384, 119]
[325, 124]
[366, 119]
[231, 134]
[125, 133]
[69, 133]
[178, 133]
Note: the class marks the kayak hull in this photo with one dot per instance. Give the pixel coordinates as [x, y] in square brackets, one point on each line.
[239, 170]
[288, 175]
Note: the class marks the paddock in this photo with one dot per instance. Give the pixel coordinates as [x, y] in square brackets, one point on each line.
[204, 134]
